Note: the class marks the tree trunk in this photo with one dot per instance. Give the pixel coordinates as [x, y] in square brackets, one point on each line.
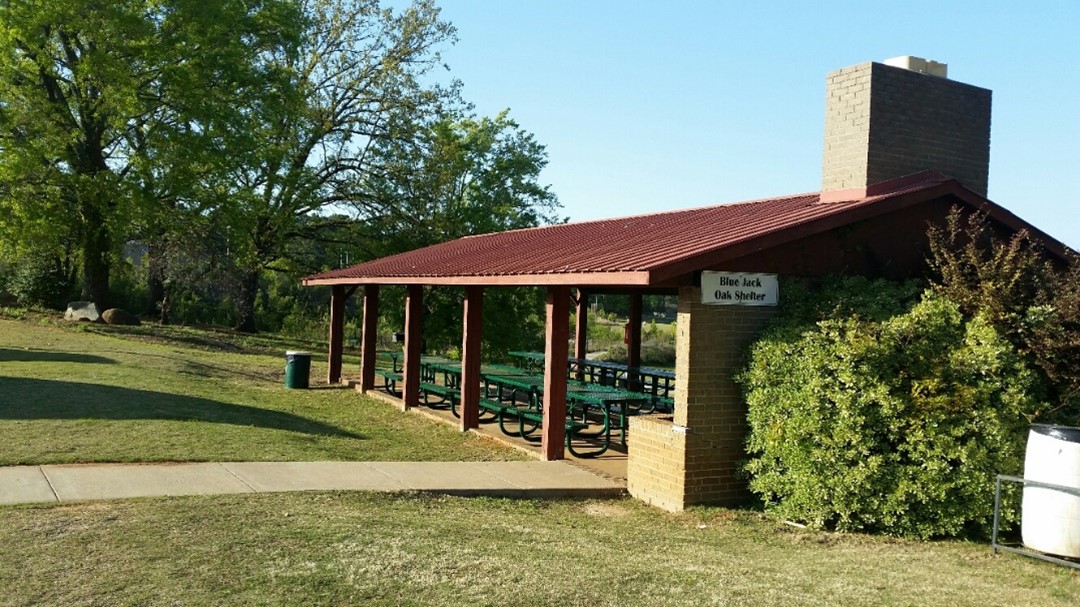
[155, 283]
[95, 262]
[245, 301]
[166, 304]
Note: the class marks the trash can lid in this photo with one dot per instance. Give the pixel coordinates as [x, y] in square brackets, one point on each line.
[1063, 433]
[296, 353]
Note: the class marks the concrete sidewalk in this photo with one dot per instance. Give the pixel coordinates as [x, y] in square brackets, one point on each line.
[88, 482]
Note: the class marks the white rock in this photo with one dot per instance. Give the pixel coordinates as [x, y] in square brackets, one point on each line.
[82, 311]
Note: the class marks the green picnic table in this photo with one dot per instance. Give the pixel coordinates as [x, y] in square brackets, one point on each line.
[659, 384]
[582, 396]
[530, 360]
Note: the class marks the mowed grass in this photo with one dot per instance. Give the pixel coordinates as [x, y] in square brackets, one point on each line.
[91, 393]
[79, 393]
[374, 549]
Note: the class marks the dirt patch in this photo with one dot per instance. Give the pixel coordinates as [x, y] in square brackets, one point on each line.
[605, 510]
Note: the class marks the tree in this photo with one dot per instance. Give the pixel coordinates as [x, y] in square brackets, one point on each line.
[461, 176]
[353, 79]
[101, 101]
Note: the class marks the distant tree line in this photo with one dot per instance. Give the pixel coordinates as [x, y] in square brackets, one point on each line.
[232, 147]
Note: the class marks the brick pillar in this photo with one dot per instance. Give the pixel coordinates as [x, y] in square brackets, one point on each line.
[693, 457]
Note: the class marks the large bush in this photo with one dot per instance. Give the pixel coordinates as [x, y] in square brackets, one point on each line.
[1031, 297]
[41, 279]
[885, 422]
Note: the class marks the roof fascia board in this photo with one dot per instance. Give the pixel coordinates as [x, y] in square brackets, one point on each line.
[628, 290]
[1011, 221]
[582, 279]
[1006, 218]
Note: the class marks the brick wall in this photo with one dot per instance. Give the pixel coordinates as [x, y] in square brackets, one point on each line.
[847, 128]
[655, 468]
[883, 122]
[701, 445]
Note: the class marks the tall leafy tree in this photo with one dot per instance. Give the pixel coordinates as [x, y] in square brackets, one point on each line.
[460, 176]
[354, 79]
[102, 103]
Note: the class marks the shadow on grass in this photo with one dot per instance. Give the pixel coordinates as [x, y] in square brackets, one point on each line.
[28, 399]
[190, 365]
[58, 356]
[215, 339]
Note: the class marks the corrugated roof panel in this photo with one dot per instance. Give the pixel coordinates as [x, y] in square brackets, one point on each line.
[641, 243]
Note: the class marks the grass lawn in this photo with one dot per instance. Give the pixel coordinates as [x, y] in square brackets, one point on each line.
[372, 549]
[92, 393]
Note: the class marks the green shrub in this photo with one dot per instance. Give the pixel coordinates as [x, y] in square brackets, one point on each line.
[1033, 301]
[127, 285]
[305, 325]
[615, 353]
[890, 424]
[41, 278]
[658, 351]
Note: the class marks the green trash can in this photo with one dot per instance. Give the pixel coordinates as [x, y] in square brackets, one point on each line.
[297, 369]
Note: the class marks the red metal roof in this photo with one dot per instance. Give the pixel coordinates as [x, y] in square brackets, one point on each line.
[642, 249]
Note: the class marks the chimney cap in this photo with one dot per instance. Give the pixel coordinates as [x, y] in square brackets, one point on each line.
[920, 65]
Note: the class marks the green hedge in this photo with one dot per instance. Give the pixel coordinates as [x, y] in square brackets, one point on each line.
[886, 416]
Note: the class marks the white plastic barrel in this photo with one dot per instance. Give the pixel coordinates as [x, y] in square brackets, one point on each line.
[1050, 519]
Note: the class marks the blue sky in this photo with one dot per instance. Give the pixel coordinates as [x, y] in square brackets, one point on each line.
[652, 106]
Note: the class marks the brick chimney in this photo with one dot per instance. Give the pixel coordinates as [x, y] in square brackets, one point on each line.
[888, 120]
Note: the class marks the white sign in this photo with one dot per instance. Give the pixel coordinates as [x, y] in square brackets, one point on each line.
[739, 289]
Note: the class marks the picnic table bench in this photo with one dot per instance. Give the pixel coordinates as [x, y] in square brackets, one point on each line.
[448, 397]
[530, 419]
[530, 360]
[513, 397]
[390, 379]
[614, 402]
[658, 383]
[583, 400]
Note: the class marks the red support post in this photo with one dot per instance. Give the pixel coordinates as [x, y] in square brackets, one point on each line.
[556, 351]
[581, 331]
[414, 305]
[369, 337]
[633, 346]
[470, 357]
[337, 334]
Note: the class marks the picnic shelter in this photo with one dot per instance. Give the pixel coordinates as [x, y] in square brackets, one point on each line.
[869, 219]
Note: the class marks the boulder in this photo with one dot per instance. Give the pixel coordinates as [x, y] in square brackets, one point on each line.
[116, 316]
[84, 311]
